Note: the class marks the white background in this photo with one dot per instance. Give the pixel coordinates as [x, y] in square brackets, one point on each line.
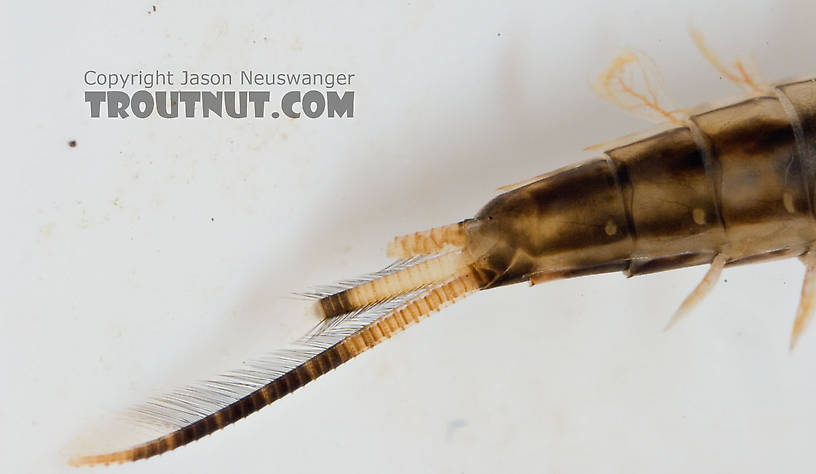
[159, 251]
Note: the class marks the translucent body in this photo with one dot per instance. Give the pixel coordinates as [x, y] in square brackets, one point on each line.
[735, 180]
[730, 184]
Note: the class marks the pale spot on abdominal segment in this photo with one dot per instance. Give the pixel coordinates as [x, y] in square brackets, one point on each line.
[699, 216]
[611, 228]
[787, 200]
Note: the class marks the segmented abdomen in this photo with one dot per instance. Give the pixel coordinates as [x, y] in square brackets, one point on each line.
[735, 180]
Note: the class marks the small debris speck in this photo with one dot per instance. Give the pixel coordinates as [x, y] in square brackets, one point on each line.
[212, 219]
[454, 425]
[72, 143]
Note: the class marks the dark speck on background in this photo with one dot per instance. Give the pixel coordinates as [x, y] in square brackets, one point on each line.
[72, 143]
[212, 219]
[453, 425]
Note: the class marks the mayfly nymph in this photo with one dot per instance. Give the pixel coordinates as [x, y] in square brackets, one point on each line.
[719, 185]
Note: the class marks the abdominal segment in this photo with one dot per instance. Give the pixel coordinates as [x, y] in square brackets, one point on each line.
[735, 181]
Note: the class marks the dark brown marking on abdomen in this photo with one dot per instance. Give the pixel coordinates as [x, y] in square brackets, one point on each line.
[802, 97]
[755, 145]
[669, 193]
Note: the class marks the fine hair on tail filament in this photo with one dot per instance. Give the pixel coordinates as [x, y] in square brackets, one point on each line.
[722, 184]
[195, 411]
